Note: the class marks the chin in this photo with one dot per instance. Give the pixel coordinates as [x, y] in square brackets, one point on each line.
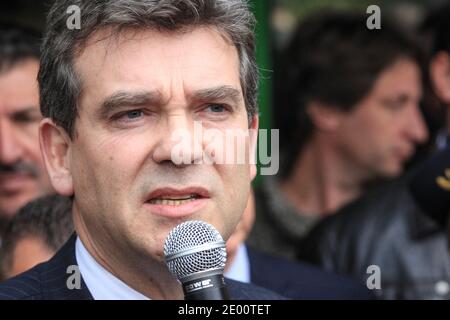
[393, 171]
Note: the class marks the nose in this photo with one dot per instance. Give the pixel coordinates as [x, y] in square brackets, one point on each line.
[417, 130]
[179, 141]
[10, 149]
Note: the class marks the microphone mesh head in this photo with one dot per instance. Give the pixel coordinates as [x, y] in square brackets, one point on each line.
[184, 239]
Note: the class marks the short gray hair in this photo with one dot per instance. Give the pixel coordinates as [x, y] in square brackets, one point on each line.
[59, 84]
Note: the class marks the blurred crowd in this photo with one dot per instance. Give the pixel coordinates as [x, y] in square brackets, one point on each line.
[359, 207]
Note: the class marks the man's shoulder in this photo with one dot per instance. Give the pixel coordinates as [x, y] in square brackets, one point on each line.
[245, 291]
[298, 280]
[26, 286]
[49, 280]
[384, 207]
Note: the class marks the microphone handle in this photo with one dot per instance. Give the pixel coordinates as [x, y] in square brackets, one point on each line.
[206, 287]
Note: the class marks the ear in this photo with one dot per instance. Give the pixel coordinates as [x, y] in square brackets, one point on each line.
[323, 117]
[440, 75]
[55, 148]
[253, 145]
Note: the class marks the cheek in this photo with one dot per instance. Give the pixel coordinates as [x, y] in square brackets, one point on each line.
[368, 129]
[101, 176]
[237, 189]
[93, 169]
[29, 139]
[114, 166]
[381, 134]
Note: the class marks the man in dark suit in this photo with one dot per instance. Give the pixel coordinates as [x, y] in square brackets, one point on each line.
[294, 280]
[124, 91]
[60, 279]
[298, 280]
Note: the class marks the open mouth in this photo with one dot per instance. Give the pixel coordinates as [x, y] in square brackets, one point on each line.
[177, 197]
[175, 200]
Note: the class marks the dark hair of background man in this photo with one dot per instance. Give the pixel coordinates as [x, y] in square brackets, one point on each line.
[48, 218]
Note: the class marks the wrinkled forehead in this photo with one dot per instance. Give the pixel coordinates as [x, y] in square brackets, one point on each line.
[151, 59]
[105, 43]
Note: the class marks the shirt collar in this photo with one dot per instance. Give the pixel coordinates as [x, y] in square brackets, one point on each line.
[442, 139]
[239, 269]
[101, 283]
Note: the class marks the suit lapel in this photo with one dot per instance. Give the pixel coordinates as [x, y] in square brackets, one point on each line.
[61, 279]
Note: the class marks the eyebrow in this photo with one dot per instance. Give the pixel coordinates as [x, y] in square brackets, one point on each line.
[140, 98]
[28, 110]
[403, 97]
[218, 93]
[128, 98]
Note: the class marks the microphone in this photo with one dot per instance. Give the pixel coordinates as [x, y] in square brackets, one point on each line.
[430, 186]
[195, 254]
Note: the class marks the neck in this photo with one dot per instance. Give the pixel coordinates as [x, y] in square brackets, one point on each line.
[142, 273]
[321, 182]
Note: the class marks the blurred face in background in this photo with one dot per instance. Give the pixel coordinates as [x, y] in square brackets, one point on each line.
[27, 253]
[22, 173]
[440, 77]
[380, 134]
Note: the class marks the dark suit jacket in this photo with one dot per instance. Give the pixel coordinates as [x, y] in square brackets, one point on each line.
[296, 280]
[48, 281]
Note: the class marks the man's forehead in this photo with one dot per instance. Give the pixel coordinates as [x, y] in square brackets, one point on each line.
[108, 41]
[401, 78]
[149, 60]
[19, 87]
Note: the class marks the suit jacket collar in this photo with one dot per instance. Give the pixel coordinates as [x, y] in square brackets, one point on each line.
[58, 275]
[61, 275]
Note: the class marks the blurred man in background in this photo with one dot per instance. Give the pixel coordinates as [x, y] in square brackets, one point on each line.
[22, 173]
[35, 233]
[348, 113]
[391, 228]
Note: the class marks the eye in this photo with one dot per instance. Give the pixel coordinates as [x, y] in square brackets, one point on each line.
[133, 114]
[128, 118]
[216, 108]
[27, 117]
[216, 111]
[393, 105]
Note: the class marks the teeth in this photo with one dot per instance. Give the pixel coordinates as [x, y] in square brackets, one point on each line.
[172, 202]
[180, 197]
